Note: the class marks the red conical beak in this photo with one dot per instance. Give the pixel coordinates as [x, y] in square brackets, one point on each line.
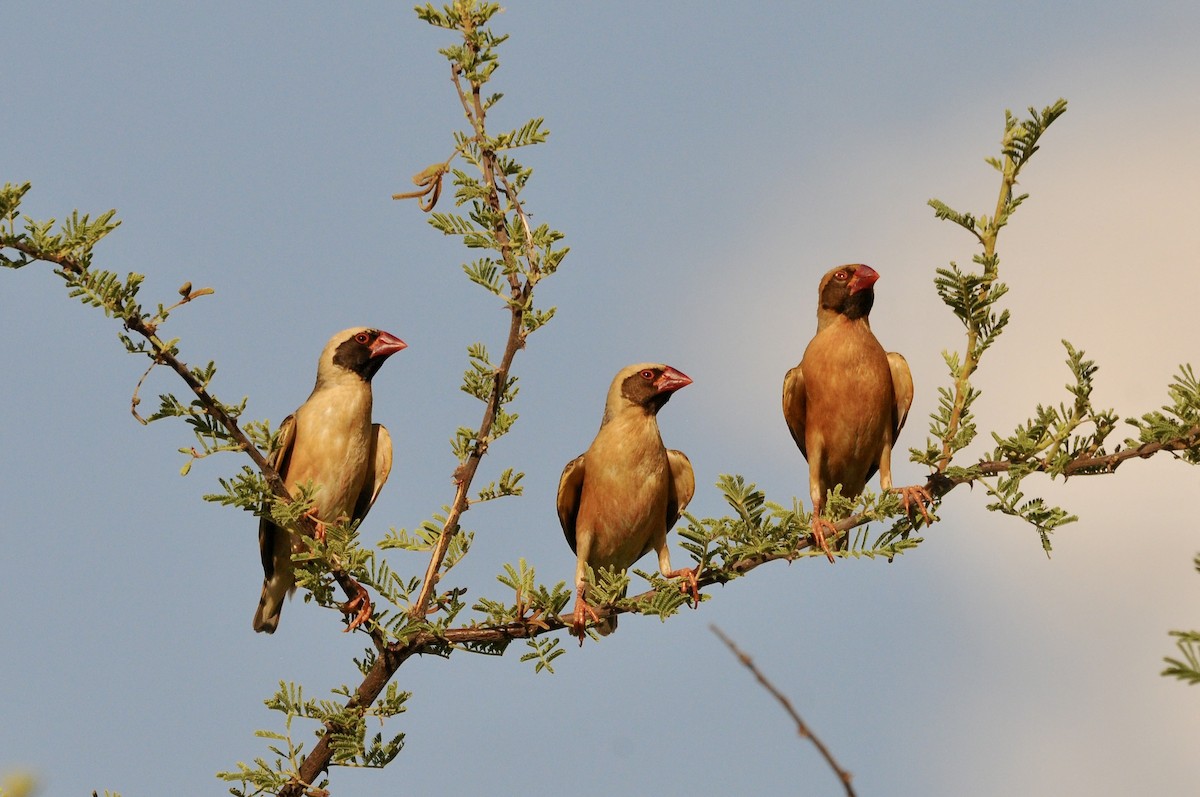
[864, 277]
[386, 345]
[671, 380]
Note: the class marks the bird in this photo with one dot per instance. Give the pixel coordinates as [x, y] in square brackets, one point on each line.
[330, 446]
[847, 400]
[617, 500]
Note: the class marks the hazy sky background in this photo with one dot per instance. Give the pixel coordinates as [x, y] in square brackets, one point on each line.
[707, 163]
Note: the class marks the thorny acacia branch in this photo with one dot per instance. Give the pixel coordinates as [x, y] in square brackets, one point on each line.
[1080, 466]
[521, 281]
[164, 354]
[520, 295]
[1018, 145]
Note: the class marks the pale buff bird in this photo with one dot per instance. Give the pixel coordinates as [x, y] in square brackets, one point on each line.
[330, 444]
[617, 501]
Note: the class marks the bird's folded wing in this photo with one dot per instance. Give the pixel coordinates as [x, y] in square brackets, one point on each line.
[683, 485]
[570, 487]
[379, 467]
[271, 536]
[902, 384]
[794, 406]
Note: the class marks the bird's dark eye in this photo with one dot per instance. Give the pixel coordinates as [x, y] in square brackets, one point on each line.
[842, 276]
[647, 374]
[363, 338]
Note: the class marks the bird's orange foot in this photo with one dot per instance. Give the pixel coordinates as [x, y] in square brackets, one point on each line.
[919, 496]
[821, 527]
[319, 531]
[359, 606]
[691, 584]
[583, 612]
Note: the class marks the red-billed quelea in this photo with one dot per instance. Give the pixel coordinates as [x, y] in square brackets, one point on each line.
[847, 400]
[617, 501]
[329, 444]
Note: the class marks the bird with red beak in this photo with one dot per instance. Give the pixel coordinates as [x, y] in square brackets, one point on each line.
[618, 500]
[847, 400]
[330, 446]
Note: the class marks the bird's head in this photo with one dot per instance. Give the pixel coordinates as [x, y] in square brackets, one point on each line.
[646, 385]
[359, 350]
[848, 291]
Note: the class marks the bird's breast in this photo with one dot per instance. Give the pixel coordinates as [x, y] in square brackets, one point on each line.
[623, 506]
[333, 443]
[850, 398]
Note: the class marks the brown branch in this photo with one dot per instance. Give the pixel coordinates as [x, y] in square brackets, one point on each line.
[520, 293]
[1087, 465]
[163, 355]
[801, 727]
[425, 641]
[465, 473]
[373, 684]
[65, 261]
[937, 484]
[392, 657]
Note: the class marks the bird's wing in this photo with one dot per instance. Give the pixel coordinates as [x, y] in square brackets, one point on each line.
[287, 439]
[902, 385]
[379, 466]
[271, 536]
[683, 485]
[794, 406]
[570, 488]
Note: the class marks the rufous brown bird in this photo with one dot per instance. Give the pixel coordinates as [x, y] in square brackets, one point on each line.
[617, 500]
[847, 400]
[329, 445]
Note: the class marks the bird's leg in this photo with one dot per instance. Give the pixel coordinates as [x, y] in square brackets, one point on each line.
[910, 495]
[816, 464]
[919, 496]
[319, 531]
[690, 585]
[820, 527]
[359, 606]
[819, 524]
[583, 612]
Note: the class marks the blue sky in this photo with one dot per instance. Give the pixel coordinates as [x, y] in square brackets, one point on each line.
[707, 164]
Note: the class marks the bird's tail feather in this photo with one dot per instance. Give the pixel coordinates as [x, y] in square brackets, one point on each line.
[266, 616]
[270, 605]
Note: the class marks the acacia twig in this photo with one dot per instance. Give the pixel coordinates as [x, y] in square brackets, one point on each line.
[801, 727]
[519, 295]
[962, 384]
